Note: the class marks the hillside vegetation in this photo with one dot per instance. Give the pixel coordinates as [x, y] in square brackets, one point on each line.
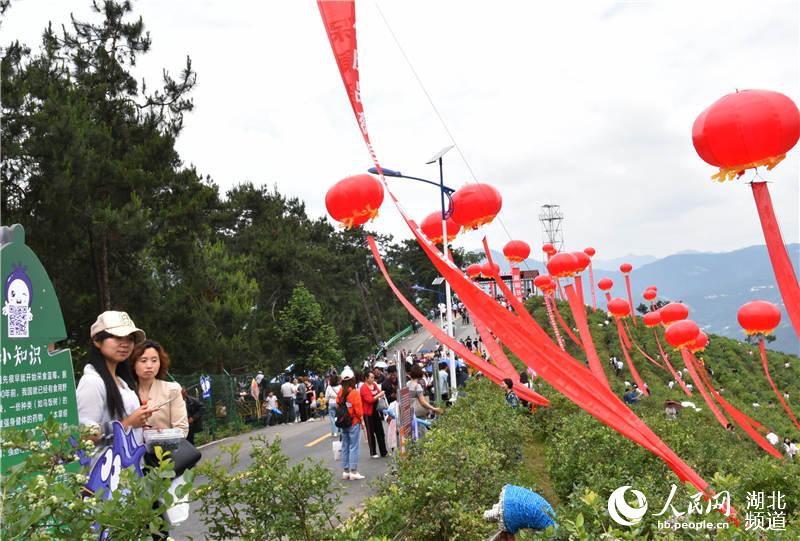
[439, 491]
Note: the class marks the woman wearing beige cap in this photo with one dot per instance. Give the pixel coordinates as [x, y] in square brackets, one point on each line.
[105, 392]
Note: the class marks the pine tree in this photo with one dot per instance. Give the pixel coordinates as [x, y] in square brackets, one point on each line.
[311, 341]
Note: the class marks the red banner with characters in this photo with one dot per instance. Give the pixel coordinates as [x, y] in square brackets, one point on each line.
[339, 18]
[516, 283]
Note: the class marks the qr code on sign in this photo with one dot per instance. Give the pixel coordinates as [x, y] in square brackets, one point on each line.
[18, 321]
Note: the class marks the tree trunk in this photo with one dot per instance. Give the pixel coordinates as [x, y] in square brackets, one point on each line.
[105, 291]
[366, 310]
[100, 265]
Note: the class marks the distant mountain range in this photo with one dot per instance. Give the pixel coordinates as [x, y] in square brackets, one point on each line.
[713, 285]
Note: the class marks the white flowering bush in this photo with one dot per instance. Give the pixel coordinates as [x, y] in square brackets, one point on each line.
[43, 496]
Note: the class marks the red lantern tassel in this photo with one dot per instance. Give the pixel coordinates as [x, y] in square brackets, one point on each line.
[631, 367]
[671, 369]
[774, 388]
[553, 323]
[740, 418]
[630, 298]
[781, 264]
[578, 312]
[591, 283]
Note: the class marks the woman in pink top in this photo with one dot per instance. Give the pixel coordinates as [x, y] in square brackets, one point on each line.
[373, 419]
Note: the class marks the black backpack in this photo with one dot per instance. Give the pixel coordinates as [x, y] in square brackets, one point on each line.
[343, 417]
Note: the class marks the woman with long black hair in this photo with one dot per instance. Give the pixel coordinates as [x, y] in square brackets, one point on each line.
[105, 392]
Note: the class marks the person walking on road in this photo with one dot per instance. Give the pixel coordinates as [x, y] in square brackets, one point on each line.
[350, 398]
[331, 393]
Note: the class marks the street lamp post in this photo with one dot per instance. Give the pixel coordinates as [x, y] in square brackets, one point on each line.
[443, 191]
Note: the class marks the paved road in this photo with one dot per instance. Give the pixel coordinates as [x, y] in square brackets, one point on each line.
[298, 441]
[422, 340]
[312, 439]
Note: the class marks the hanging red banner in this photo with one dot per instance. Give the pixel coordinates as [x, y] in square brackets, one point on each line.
[516, 282]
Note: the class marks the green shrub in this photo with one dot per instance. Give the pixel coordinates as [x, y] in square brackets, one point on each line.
[42, 495]
[269, 499]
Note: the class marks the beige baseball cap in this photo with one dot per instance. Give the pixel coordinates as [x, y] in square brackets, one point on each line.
[118, 324]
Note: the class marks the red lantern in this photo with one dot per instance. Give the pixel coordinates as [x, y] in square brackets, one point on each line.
[516, 251]
[475, 205]
[682, 333]
[625, 268]
[652, 319]
[649, 295]
[489, 271]
[605, 284]
[619, 307]
[589, 251]
[746, 129]
[759, 317]
[562, 265]
[474, 270]
[674, 311]
[431, 227]
[544, 282]
[354, 200]
[583, 260]
[700, 343]
[654, 288]
[549, 249]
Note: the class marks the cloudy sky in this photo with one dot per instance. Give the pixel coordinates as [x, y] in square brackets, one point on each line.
[588, 105]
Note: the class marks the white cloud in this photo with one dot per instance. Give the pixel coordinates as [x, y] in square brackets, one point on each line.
[585, 104]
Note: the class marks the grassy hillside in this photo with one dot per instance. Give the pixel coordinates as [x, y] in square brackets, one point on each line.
[585, 461]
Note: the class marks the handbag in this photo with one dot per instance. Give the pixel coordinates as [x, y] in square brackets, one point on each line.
[184, 456]
[337, 450]
[382, 404]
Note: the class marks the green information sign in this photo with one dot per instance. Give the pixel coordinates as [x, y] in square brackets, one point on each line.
[35, 380]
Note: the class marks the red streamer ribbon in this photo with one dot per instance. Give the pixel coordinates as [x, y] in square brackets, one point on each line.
[631, 367]
[679, 379]
[740, 418]
[579, 313]
[579, 287]
[591, 283]
[496, 353]
[639, 348]
[699, 384]
[781, 264]
[630, 298]
[552, 317]
[565, 326]
[491, 372]
[774, 388]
